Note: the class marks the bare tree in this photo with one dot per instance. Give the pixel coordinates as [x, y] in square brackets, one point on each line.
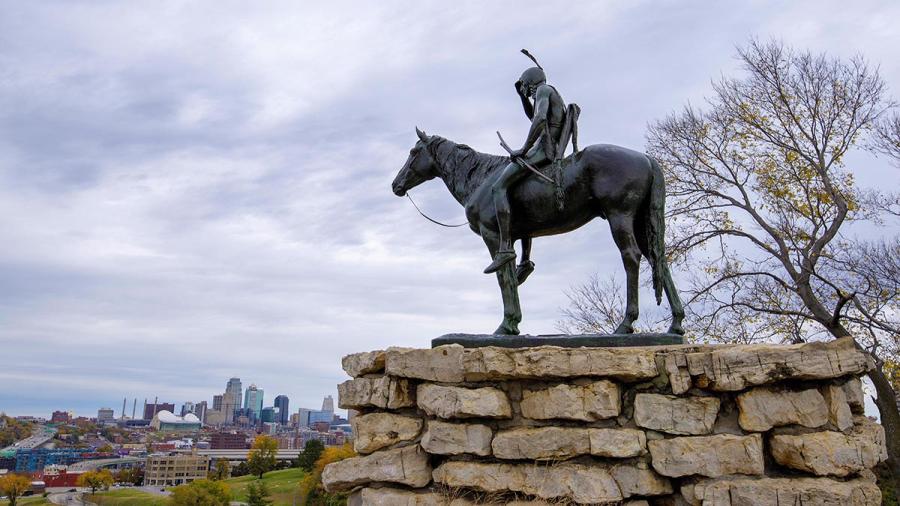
[887, 140]
[759, 199]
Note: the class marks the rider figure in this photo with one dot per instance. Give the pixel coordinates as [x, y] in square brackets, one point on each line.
[547, 115]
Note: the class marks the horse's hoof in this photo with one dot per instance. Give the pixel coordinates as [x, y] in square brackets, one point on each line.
[676, 329]
[524, 270]
[507, 330]
[624, 329]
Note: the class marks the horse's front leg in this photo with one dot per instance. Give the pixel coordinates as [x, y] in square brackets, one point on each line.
[509, 289]
[526, 266]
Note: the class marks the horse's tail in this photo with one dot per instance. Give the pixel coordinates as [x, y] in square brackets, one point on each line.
[656, 228]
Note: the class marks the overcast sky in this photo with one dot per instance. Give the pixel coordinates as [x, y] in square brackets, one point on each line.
[191, 191]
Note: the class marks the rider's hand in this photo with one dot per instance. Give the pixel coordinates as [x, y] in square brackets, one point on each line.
[516, 153]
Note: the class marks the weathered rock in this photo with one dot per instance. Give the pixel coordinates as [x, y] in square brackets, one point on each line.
[378, 392]
[711, 456]
[732, 368]
[379, 430]
[626, 364]
[855, 398]
[675, 364]
[640, 481]
[617, 443]
[593, 401]
[839, 414]
[580, 483]
[368, 362]
[554, 443]
[396, 497]
[445, 438]
[763, 408]
[408, 466]
[832, 453]
[781, 491]
[676, 415]
[541, 443]
[457, 402]
[442, 364]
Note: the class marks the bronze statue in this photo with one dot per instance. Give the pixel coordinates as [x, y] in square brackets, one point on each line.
[504, 204]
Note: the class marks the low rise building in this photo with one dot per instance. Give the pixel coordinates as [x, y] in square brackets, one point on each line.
[173, 470]
[228, 441]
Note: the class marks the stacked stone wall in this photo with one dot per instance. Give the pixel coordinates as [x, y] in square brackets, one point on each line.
[695, 424]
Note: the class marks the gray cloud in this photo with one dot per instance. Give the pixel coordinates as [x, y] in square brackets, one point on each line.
[194, 191]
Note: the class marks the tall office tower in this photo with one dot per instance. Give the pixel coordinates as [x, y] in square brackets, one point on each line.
[187, 407]
[281, 404]
[200, 410]
[303, 417]
[328, 404]
[229, 407]
[217, 402]
[253, 400]
[234, 387]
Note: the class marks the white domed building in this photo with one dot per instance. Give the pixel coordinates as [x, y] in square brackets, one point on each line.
[166, 421]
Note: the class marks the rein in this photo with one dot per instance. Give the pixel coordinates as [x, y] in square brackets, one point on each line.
[432, 219]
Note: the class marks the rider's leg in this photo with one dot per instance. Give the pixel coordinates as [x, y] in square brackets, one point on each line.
[510, 175]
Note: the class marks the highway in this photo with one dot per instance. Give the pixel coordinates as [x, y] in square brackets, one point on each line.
[42, 435]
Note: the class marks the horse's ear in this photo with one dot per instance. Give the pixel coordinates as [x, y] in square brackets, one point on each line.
[421, 135]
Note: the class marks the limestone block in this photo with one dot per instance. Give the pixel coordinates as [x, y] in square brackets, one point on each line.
[493, 363]
[640, 481]
[554, 443]
[408, 466]
[541, 443]
[368, 362]
[763, 408]
[855, 398]
[593, 401]
[675, 365]
[457, 402]
[379, 430]
[442, 364]
[676, 415]
[617, 443]
[378, 392]
[445, 438]
[711, 456]
[781, 491]
[832, 453]
[839, 414]
[395, 497]
[580, 483]
[732, 368]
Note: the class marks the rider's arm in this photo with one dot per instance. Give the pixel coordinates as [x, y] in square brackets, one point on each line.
[526, 104]
[541, 104]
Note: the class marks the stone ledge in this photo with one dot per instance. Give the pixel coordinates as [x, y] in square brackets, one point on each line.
[737, 491]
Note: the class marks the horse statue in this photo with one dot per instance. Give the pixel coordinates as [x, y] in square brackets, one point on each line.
[622, 186]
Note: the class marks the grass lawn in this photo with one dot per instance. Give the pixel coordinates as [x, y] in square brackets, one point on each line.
[282, 485]
[27, 501]
[126, 497]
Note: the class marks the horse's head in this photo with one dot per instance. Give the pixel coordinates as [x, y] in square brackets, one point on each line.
[419, 167]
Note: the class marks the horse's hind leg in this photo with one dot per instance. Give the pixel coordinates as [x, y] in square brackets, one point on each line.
[526, 266]
[674, 302]
[622, 227]
[509, 289]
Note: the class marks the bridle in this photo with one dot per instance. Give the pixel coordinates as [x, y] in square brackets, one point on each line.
[430, 153]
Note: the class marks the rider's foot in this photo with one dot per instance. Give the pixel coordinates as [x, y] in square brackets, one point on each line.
[523, 270]
[500, 259]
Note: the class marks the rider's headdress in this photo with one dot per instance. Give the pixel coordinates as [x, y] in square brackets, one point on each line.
[533, 75]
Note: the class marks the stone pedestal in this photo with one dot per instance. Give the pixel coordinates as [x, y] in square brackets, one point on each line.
[723, 425]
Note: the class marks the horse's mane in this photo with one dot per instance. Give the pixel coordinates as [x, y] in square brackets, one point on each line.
[463, 168]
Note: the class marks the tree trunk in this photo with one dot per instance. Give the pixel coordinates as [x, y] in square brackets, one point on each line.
[890, 420]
